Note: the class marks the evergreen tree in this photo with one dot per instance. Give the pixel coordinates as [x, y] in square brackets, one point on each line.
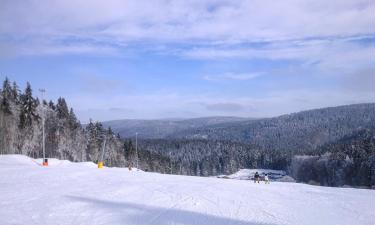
[90, 126]
[52, 105]
[6, 97]
[62, 109]
[129, 151]
[28, 107]
[93, 142]
[15, 92]
[99, 129]
[73, 122]
[7, 89]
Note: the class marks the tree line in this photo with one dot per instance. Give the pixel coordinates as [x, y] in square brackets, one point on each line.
[21, 132]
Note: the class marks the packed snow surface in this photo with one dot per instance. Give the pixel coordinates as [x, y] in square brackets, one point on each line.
[80, 193]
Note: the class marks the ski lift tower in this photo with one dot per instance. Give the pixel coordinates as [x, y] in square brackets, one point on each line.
[45, 161]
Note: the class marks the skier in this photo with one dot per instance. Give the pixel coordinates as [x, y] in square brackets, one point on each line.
[266, 179]
[256, 177]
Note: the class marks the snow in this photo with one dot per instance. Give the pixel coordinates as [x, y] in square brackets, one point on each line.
[79, 193]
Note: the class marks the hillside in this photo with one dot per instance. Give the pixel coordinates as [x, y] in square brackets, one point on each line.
[79, 193]
[271, 144]
[156, 129]
[298, 131]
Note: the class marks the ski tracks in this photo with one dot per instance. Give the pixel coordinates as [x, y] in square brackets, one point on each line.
[153, 220]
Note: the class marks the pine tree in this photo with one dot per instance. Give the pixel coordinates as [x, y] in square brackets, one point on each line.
[15, 92]
[93, 144]
[28, 108]
[129, 151]
[99, 129]
[73, 122]
[7, 89]
[52, 105]
[62, 109]
[7, 97]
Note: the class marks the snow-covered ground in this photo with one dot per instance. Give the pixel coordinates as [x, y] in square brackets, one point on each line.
[79, 193]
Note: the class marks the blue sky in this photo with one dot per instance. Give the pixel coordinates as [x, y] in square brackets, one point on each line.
[166, 59]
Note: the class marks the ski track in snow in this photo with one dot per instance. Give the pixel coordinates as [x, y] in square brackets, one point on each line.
[79, 193]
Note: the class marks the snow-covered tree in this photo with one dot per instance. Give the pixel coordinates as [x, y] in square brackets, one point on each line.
[6, 97]
[62, 109]
[15, 92]
[73, 122]
[28, 107]
[52, 105]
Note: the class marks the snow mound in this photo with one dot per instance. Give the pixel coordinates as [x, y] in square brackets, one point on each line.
[22, 160]
[16, 160]
[55, 162]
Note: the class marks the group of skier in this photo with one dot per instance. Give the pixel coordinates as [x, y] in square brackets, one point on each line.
[257, 178]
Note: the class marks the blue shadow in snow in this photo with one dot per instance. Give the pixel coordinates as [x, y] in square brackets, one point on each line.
[137, 214]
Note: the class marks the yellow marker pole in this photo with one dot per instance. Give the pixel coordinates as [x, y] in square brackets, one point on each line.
[100, 165]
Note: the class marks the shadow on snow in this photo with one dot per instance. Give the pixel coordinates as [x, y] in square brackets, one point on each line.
[136, 214]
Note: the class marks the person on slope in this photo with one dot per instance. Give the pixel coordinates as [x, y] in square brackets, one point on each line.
[256, 177]
[266, 179]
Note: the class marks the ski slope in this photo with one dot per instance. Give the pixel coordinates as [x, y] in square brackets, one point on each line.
[79, 193]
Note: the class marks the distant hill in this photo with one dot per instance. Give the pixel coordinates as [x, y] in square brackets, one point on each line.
[155, 129]
[276, 143]
[302, 130]
[296, 131]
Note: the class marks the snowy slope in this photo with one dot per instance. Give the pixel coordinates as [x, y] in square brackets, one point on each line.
[79, 193]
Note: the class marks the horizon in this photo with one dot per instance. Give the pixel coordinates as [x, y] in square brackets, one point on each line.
[184, 118]
[192, 59]
[239, 117]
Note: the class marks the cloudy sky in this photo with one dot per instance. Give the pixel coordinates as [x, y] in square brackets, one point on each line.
[118, 59]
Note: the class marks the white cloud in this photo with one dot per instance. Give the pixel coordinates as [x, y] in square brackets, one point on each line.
[330, 35]
[336, 55]
[202, 21]
[43, 47]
